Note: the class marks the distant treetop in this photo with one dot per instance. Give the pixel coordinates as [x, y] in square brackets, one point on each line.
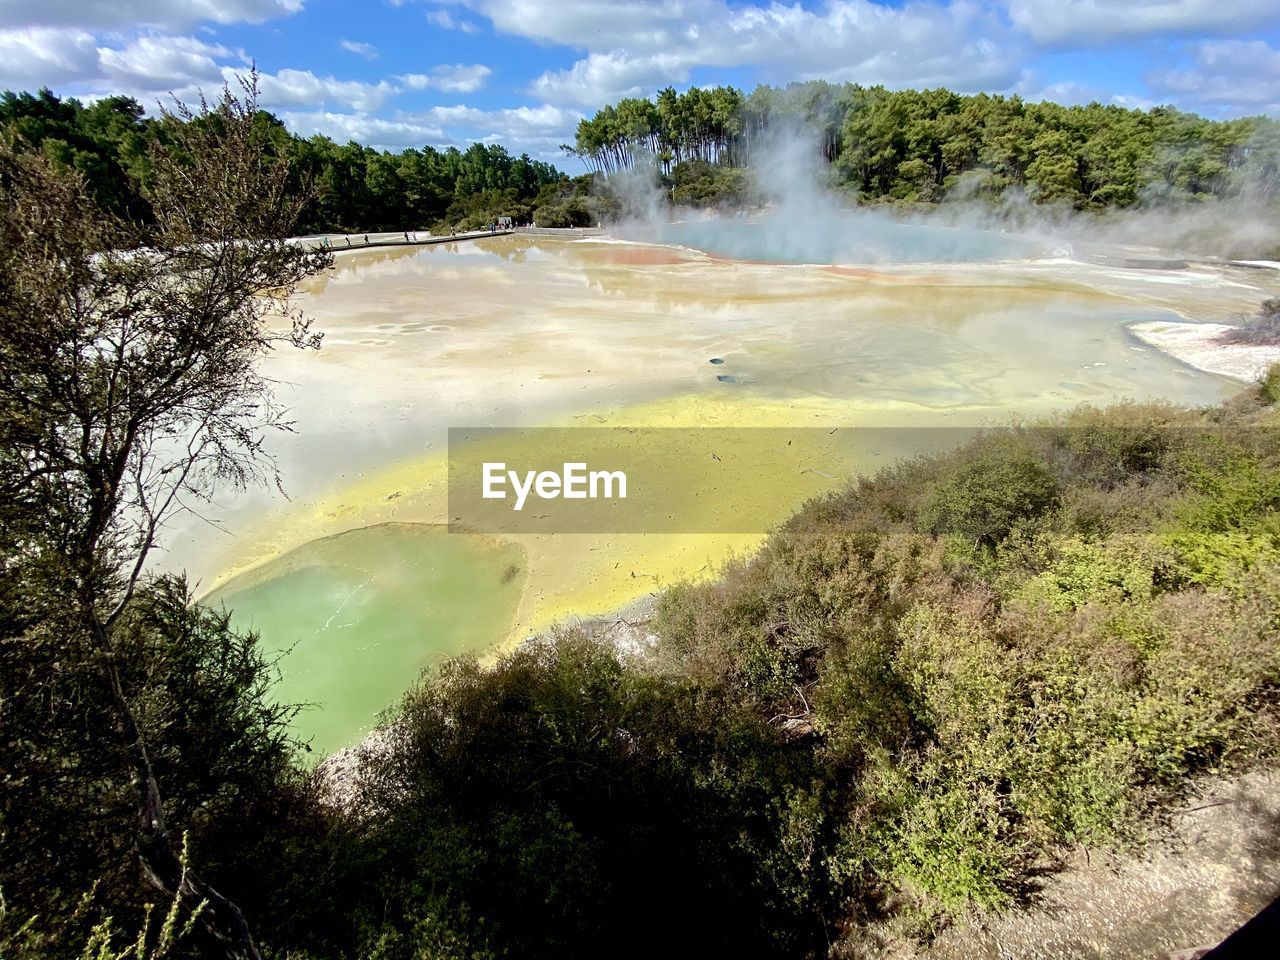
[923, 145]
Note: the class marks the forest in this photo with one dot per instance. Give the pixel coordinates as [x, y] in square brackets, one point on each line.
[922, 146]
[352, 188]
[718, 148]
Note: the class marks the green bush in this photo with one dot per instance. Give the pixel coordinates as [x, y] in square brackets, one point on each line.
[535, 804]
[1120, 569]
[218, 738]
[1269, 385]
[996, 484]
[701, 184]
[1026, 643]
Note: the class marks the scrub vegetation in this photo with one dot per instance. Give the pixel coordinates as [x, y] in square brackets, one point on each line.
[1028, 643]
[917, 694]
[920, 691]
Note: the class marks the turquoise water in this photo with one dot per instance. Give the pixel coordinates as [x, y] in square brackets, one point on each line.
[852, 237]
[355, 618]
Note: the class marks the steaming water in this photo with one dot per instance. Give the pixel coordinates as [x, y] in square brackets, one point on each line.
[855, 237]
[519, 331]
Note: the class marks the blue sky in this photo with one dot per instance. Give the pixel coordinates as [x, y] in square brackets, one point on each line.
[398, 73]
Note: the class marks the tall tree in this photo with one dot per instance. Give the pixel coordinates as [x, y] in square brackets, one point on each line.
[130, 390]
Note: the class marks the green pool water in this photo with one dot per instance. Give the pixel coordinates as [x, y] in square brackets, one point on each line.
[356, 617]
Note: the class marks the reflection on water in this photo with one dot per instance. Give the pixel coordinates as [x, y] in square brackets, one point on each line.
[362, 613]
[523, 331]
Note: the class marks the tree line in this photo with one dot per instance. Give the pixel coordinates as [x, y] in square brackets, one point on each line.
[696, 125]
[927, 145]
[350, 187]
[885, 146]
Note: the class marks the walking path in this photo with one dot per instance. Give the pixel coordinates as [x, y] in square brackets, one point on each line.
[422, 238]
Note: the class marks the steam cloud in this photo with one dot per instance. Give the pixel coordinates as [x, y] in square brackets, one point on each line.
[804, 216]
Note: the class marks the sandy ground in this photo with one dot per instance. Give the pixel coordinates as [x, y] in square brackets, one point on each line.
[1213, 866]
[1200, 346]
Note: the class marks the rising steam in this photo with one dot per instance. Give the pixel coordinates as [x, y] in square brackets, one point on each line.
[800, 214]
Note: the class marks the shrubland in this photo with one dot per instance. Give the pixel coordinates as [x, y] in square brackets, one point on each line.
[915, 697]
[1028, 643]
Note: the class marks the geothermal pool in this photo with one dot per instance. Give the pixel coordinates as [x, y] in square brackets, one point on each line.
[858, 237]
[353, 575]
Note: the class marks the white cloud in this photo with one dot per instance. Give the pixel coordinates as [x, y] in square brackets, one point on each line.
[1131, 101]
[1070, 92]
[146, 68]
[1095, 21]
[447, 21]
[155, 65]
[118, 14]
[364, 129]
[366, 50]
[631, 47]
[302, 88]
[42, 57]
[458, 78]
[634, 47]
[599, 24]
[513, 124]
[159, 64]
[1063, 91]
[605, 77]
[537, 131]
[1232, 76]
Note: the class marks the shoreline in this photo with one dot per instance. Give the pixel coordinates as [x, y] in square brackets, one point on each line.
[1199, 345]
[352, 242]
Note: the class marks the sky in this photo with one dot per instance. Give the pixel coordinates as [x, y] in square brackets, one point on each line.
[401, 73]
